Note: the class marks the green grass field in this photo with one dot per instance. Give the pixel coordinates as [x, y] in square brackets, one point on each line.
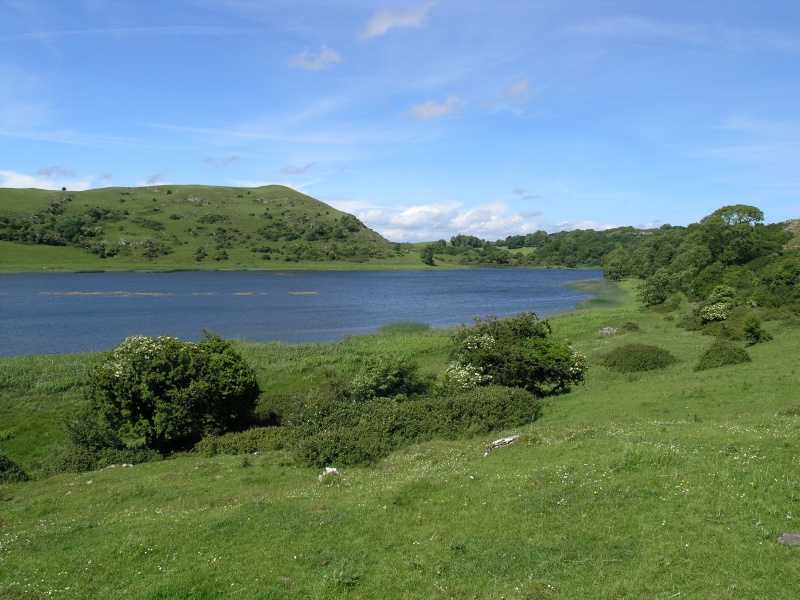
[663, 484]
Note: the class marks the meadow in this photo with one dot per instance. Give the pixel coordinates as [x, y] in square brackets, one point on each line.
[661, 484]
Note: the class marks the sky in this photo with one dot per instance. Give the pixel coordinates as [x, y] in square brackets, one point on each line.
[425, 119]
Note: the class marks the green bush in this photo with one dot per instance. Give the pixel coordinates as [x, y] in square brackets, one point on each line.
[11, 472]
[753, 332]
[259, 439]
[518, 352]
[632, 358]
[71, 458]
[720, 354]
[346, 434]
[630, 327]
[387, 376]
[165, 394]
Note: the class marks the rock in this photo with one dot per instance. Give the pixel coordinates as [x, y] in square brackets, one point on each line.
[790, 539]
[608, 331]
[328, 473]
[501, 442]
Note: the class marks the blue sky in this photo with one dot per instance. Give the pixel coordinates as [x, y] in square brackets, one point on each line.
[424, 119]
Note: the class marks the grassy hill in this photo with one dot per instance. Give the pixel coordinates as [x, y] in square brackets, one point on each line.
[670, 483]
[184, 227]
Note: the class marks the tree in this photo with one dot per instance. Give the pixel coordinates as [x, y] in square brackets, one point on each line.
[427, 255]
[618, 264]
[655, 289]
[163, 394]
[737, 214]
[518, 352]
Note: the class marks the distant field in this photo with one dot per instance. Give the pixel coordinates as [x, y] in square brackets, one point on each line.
[660, 484]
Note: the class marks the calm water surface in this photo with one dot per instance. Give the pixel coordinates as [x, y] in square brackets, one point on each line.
[82, 312]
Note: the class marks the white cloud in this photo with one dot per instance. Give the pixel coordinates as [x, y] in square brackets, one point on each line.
[428, 222]
[432, 109]
[385, 20]
[325, 60]
[571, 225]
[12, 179]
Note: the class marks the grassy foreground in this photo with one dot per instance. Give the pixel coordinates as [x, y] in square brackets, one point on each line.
[667, 484]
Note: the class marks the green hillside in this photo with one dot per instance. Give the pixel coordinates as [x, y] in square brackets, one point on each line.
[184, 227]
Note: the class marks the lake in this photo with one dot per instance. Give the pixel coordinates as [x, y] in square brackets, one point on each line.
[82, 312]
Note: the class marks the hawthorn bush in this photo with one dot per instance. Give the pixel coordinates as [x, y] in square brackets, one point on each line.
[164, 394]
[515, 352]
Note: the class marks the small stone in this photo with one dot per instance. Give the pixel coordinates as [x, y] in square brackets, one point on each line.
[790, 539]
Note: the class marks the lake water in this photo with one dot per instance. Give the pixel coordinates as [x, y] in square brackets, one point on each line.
[82, 312]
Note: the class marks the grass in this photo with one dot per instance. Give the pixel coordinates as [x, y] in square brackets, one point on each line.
[664, 484]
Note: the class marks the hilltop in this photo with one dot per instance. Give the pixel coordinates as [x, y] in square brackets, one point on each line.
[183, 227]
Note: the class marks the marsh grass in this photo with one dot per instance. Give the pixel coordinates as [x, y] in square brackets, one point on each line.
[673, 484]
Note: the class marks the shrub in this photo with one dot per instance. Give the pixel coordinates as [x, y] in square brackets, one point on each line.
[459, 378]
[165, 394]
[71, 458]
[386, 376]
[720, 354]
[11, 472]
[632, 358]
[630, 327]
[259, 439]
[753, 332]
[353, 434]
[517, 352]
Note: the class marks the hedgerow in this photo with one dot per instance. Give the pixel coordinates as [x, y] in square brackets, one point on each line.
[336, 433]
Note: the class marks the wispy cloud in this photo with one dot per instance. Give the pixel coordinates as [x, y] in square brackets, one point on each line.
[385, 20]
[156, 177]
[727, 37]
[12, 179]
[525, 194]
[56, 170]
[433, 109]
[324, 60]
[221, 163]
[519, 92]
[292, 170]
[127, 32]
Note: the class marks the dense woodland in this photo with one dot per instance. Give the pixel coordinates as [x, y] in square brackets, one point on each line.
[730, 247]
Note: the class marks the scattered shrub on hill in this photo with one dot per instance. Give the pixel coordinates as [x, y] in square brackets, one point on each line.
[720, 354]
[517, 352]
[336, 433]
[164, 394]
[632, 358]
[753, 332]
[630, 327]
[11, 472]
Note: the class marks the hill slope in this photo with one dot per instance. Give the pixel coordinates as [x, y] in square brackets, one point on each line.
[180, 227]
